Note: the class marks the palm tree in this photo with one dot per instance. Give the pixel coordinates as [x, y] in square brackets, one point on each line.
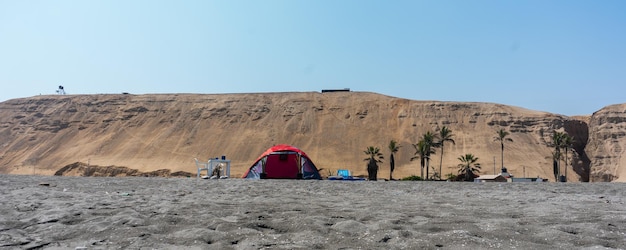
[445, 135]
[501, 137]
[393, 148]
[374, 157]
[420, 153]
[430, 141]
[568, 142]
[423, 149]
[557, 143]
[555, 165]
[468, 166]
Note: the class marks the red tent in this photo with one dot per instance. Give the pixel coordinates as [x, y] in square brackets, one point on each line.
[283, 162]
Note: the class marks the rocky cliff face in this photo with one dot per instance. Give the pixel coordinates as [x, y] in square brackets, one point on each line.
[43, 134]
[607, 144]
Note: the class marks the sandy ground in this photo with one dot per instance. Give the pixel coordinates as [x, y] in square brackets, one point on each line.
[45, 212]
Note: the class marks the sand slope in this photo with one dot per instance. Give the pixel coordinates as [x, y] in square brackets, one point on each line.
[42, 134]
[158, 213]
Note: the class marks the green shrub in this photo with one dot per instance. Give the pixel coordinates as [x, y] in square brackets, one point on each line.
[450, 176]
[412, 178]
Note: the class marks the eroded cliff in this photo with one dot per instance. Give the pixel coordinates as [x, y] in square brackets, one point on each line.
[42, 134]
[607, 144]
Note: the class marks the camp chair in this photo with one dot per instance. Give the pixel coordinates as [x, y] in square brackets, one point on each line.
[201, 167]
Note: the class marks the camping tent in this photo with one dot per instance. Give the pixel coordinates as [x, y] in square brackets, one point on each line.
[283, 162]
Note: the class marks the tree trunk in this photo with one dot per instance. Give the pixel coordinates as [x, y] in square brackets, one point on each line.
[558, 163]
[392, 164]
[502, 155]
[372, 170]
[555, 167]
[565, 164]
[422, 163]
[427, 167]
[441, 162]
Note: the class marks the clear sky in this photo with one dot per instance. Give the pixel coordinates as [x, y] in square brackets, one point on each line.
[561, 56]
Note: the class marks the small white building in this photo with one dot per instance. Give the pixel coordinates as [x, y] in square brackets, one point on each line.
[525, 179]
[490, 178]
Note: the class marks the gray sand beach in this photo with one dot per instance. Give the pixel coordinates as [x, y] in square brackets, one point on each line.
[52, 212]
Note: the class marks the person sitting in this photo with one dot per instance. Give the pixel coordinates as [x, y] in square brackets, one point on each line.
[217, 171]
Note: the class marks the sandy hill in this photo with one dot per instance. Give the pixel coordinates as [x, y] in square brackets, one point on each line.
[43, 134]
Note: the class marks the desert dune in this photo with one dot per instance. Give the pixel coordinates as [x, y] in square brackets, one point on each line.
[146, 133]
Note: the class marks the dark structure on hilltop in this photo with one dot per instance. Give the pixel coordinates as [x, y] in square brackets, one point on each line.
[335, 90]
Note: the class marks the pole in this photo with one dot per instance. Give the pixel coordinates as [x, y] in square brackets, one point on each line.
[494, 165]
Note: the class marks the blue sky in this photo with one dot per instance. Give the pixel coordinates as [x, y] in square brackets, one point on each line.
[566, 57]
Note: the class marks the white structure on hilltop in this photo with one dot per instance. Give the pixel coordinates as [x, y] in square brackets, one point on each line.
[61, 90]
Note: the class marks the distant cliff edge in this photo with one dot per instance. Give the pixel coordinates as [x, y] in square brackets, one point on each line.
[43, 134]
